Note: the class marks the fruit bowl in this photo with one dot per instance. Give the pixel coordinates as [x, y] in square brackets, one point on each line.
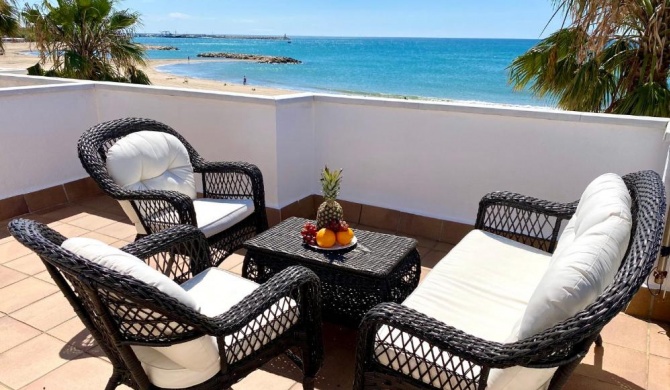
[336, 247]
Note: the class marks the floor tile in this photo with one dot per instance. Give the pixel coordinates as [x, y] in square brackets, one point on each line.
[626, 331]
[69, 231]
[659, 373]
[616, 365]
[117, 230]
[45, 276]
[83, 373]
[44, 353]
[12, 250]
[581, 382]
[231, 261]
[432, 258]
[425, 242]
[65, 214]
[101, 203]
[659, 339]
[100, 237]
[23, 293]
[46, 313]
[93, 221]
[237, 269]
[424, 272]
[119, 244]
[14, 333]
[9, 276]
[29, 265]
[444, 247]
[73, 332]
[260, 379]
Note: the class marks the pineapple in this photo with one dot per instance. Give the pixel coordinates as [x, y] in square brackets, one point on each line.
[329, 210]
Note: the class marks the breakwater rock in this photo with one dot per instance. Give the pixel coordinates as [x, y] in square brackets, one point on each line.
[151, 47]
[252, 57]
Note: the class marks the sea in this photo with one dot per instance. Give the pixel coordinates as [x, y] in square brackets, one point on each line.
[469, 70]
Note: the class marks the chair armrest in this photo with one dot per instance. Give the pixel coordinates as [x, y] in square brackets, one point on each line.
[172, 207]
[180, 252]
[298, 283]
[522, 218]
[231, 179]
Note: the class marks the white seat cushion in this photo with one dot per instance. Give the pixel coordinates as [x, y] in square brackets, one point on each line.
[217, 215]
[216, 291]
[213, 215]
[208, 288]
[481, 287]
[587, 256]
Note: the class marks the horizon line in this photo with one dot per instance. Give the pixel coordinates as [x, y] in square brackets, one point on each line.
[334, 36]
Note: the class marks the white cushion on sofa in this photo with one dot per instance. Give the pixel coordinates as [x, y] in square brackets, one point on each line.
[481, 287]
[587, 255]
[151, 160]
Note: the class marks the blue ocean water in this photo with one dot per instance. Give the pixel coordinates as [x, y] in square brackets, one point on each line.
[453, 69]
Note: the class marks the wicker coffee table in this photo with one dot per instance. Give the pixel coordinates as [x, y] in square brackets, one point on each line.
[380, 268]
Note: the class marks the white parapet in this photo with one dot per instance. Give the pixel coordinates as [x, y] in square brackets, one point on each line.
[427, 158]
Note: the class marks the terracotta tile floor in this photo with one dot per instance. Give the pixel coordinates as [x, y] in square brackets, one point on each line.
[43, 345]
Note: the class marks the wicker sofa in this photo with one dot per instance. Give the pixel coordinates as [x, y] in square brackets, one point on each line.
[512, 306]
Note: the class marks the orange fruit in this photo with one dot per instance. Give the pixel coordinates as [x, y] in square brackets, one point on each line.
[325, 238]
[345, 237]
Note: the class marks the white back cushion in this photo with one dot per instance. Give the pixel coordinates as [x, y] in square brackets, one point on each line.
[151, 160]
[192, 354]
[587, 256]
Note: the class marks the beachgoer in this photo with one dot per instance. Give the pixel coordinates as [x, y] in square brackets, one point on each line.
[188, 59]
[244, 80]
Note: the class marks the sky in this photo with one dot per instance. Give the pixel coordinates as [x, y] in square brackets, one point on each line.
[364, 18]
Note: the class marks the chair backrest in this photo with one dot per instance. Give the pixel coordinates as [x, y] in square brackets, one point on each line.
[114, 307]
[571, 337]
[150, 160]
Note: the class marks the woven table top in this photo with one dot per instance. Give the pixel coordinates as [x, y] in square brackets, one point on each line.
[375, 254]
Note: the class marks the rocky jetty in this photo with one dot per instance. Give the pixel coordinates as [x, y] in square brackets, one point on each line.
[151, 47]
[252, 57]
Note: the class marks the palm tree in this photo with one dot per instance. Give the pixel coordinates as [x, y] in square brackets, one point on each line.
[9, 23]
[612, 56]
[87, 39]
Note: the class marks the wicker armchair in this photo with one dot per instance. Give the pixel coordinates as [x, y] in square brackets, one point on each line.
[231, 211]
[136, 322]
[458, 360]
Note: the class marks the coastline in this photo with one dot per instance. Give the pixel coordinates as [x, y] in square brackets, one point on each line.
[16, 58]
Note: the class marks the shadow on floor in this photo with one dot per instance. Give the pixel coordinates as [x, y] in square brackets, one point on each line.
[337, 372]
[81, 342]
[596, 377]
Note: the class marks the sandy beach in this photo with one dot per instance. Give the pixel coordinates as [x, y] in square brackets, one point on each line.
[14, 57]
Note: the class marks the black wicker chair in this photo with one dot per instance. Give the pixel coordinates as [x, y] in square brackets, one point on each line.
[537, 223]
[122, 312]
[156, 209]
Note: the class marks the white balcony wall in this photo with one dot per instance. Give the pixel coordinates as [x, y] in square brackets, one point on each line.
[438, 160]
[431, 159]
[296, 149]
[39, 129]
